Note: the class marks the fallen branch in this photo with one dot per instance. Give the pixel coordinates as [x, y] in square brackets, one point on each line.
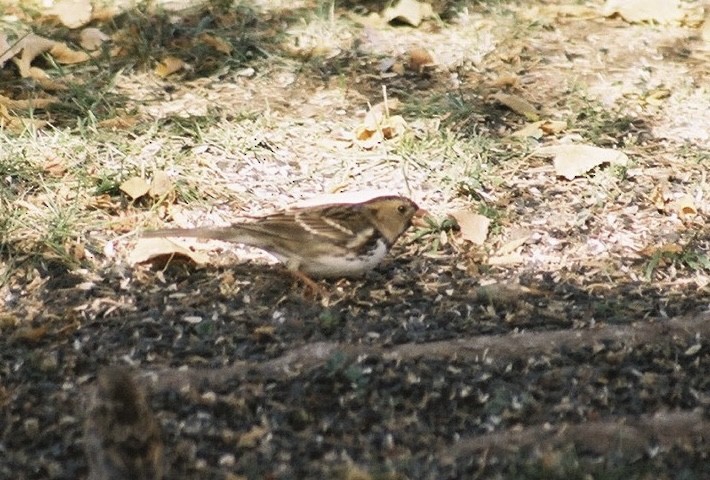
[630, 436]
[502, 348]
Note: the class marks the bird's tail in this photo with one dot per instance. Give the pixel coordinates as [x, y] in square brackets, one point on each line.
[233, 233]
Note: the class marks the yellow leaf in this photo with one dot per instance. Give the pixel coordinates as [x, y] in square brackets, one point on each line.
[168, 66]
[135, 187]
[574, 160]
[474, 227]
[635, 11]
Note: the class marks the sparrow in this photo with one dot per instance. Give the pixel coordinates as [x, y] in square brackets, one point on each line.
[122, 437]
[326, 241]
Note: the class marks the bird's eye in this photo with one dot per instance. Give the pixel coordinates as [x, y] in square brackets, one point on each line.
[402, 209]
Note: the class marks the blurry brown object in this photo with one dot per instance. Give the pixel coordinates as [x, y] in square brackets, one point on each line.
[121, 435]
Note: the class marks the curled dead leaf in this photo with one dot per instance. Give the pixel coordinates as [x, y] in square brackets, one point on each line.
[168, 66]
[420, 59]
[367, 136]
[685, 207]
[66, 56]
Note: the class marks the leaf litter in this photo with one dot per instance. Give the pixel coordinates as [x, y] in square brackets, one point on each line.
[579, 308]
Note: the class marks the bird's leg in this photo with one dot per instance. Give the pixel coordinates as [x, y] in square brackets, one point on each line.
[312, 286]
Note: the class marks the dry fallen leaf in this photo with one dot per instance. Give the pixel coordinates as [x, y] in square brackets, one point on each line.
[669, 248]
[158, 250]
[135, 187]
[55, 167]
[634, 11]
[684, 207]
[369, 136]
[66, 56]
[72, 13]
[660, 196]
[507, 259]
[551, 127]
[474, 227]
[574, 160]
[18, 124]
[31, 45]
[28, 103]
[168, 66]
[160, 185]
[408, 11]
[378, 125]
[540, 128]
[217, 43]
[518, 104]
[518, 239]
[531, 130]
[420, 59]
[119, 122]
[92, 38]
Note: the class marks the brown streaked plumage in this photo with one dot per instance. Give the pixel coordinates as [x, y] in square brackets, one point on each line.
[335, 240]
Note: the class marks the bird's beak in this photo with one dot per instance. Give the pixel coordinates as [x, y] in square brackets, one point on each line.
[418, 219]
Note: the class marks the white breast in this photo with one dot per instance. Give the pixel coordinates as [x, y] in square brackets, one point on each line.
[345, 266]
